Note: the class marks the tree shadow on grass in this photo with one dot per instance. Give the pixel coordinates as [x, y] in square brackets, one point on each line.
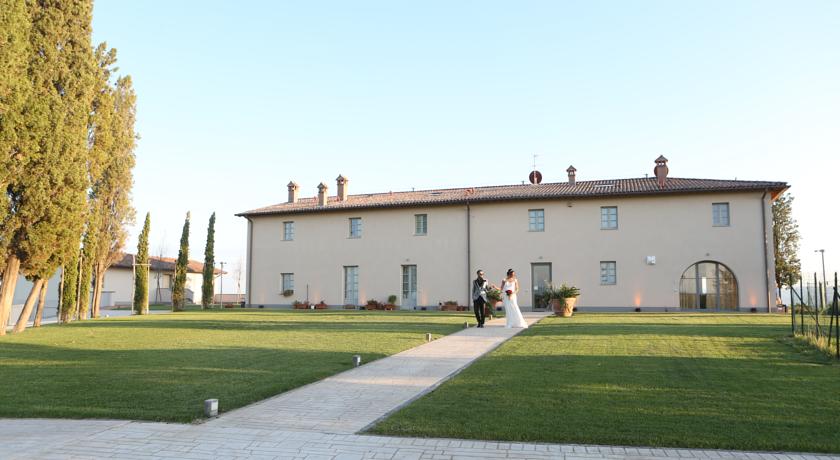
[159, 384]
[678, 329]
[362, 326]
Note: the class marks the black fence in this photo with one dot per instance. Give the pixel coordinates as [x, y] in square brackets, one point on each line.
[815, 314]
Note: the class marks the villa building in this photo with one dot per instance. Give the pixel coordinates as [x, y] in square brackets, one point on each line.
[652, 243]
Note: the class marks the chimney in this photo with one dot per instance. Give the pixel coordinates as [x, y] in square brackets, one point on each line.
[293, 192]
[322, 194]
[341, 183]
[661, 171]
[571, 170]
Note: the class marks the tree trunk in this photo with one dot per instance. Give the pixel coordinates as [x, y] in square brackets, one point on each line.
[23, 319]
[42, 299]
[7, 291]
[99, 281]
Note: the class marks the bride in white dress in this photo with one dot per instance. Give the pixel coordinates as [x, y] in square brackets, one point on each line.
[513, 316]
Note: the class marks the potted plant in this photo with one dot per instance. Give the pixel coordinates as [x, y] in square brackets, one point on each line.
[392, 302]
[321, 305]
[563, 299]
[373, 305]
[449, 305]
[298, 305]
[494, 296]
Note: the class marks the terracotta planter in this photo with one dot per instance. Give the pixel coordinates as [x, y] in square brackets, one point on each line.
[568, 308]
[557, 306]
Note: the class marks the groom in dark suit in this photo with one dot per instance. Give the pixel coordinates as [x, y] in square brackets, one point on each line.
[479, 295]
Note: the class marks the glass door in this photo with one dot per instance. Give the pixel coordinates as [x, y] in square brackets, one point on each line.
[409, 287]
[351, 285]
[540, 281]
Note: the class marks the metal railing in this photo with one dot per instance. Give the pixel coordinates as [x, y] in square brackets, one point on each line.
[808, 316]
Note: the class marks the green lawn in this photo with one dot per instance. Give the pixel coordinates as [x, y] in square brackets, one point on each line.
[162, 367]
[701, 380]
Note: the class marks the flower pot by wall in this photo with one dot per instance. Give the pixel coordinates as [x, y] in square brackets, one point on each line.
[569, 306]
[557, 306]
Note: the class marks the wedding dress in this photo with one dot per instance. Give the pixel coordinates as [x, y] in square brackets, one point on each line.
[513, 316]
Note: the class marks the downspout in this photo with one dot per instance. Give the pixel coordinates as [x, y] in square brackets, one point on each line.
[469, 260]
[250, 258]
[766, 259]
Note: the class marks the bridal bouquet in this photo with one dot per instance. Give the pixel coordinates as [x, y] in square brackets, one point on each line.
[509, 292]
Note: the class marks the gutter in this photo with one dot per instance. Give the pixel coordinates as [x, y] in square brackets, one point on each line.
[469, 259]
[250, 258]
[766, 259]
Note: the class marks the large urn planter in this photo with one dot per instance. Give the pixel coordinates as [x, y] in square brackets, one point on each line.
[568, 307]
[557, 305]
[563, 299]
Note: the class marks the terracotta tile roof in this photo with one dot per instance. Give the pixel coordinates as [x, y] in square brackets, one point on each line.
[559, 190]
[163, 264]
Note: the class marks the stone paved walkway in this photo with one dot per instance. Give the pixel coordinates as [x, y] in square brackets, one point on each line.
[319, 421]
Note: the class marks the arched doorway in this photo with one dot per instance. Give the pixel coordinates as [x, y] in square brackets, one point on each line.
[708, 285]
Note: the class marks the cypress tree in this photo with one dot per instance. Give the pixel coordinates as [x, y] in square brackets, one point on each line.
[70, 291]
[112, 150]
[181, 268]
[209, 263]
[43, 228]
[15, 90]
[141, 274]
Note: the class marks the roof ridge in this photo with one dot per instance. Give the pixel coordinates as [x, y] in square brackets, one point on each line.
[549, 190]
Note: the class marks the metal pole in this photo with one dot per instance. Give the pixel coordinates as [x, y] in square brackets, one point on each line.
[825, 285]
[837, 315]
[801, 308]
[816, 308]
[832, 314]
[792, 308]
[222, 285]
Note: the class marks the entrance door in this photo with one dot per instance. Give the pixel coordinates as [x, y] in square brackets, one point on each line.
[708, 285]
[351, 285]
[409, 287]
[540, 280]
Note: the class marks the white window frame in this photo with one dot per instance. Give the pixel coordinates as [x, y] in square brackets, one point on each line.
[358, 230]
[287, 282]
[609, 273]
[289, 230]
[718, 215]
[610, 219]
[536, 220]
[421, 220]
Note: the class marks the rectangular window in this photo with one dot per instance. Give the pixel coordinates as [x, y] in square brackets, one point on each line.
[536, 220]
[609, 217]
[607, 272]
[288, 231]
[355, 227]
[287, 283]
[351, 285]
[720, 214]
[421, 224]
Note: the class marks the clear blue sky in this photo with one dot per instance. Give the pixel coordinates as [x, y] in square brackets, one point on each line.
[237, 98]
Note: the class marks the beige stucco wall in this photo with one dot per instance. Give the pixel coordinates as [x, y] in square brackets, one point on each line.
[322, 248]
[676, 229]
[120, 281]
